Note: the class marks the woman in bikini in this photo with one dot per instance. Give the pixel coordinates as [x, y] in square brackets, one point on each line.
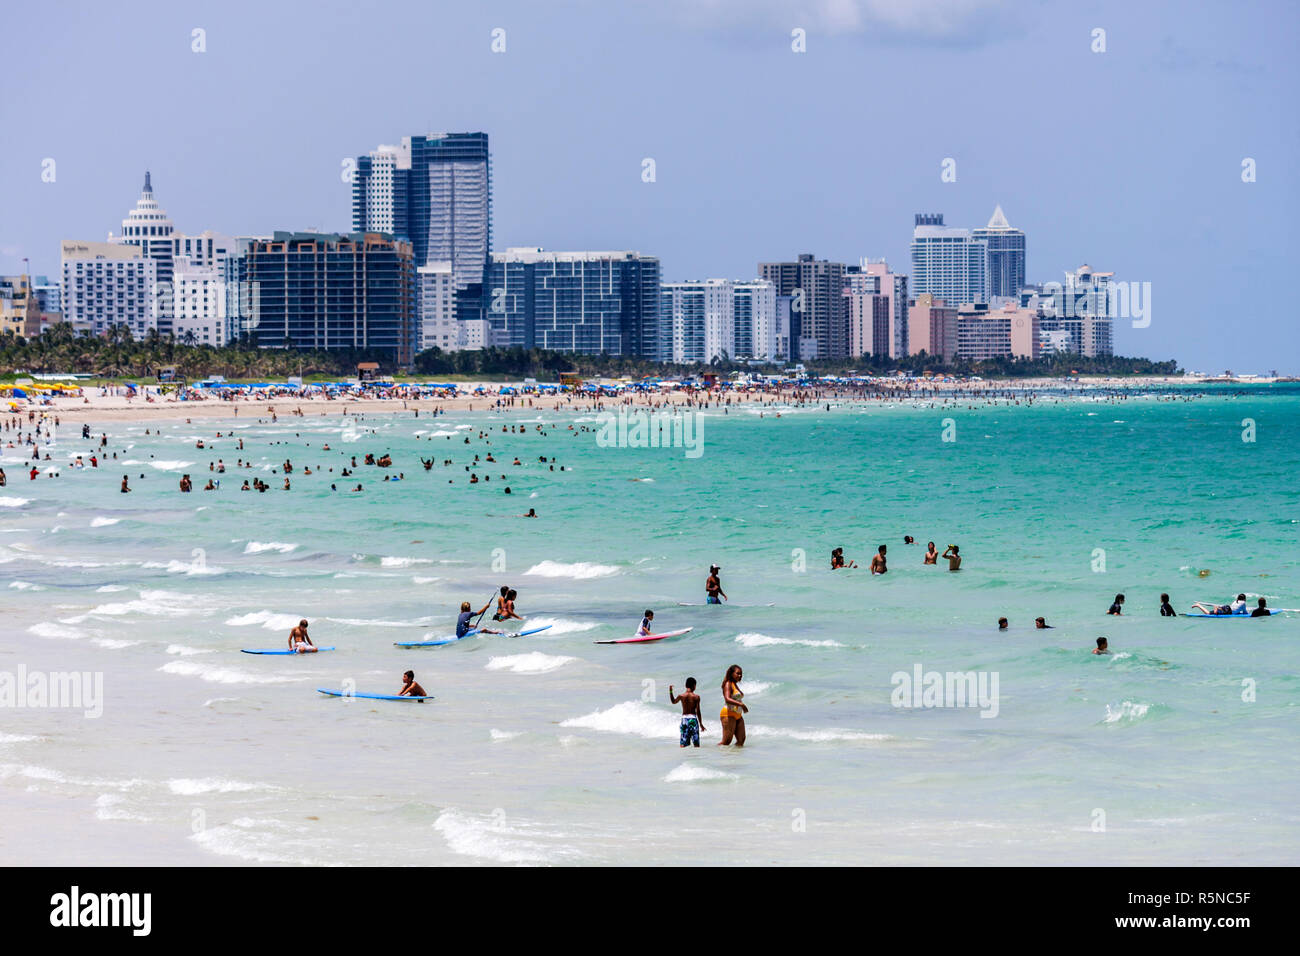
[931, 554]
[733, 708]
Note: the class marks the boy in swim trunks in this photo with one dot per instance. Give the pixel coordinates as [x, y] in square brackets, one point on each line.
[299, 641]
[410, 686]
[692, 718]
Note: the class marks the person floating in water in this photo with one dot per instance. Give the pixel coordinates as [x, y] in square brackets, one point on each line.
[1103, 646]
[299, 641]
[1041, 624]
[1117, 607]
[411, 687]
[878, 561]
[1166, 609]
[1236, 607]
[692, 718]
[1002, 624]
[954, 557]
[713, 586]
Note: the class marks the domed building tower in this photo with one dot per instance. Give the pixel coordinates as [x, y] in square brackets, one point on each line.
[149, 227]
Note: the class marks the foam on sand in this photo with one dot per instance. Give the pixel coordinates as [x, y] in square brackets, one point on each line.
[534, 663]
[580, 570]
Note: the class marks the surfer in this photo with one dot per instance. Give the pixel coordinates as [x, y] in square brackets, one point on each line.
[411, 687]
[878, 561]
[954, 559]
[713, 586]
[1103, 647]
[1117, 608]
[643, 629]
[692, 717]
[462, 622]
[1166, 609]
[1261, 609]
[1236, 607]
[733, 707]
[931, 554]
[299, 641]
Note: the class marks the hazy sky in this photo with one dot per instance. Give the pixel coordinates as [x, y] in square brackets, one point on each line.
[1128, 159]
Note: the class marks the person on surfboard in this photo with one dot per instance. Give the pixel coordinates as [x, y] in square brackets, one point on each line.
[299, 641]
[713, 586]
[643, 630]
[692, 718]
[411, 687]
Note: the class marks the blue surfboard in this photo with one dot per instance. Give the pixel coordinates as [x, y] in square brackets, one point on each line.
[1244, 617]
[341, 693]
[244, 650]
[436, 643]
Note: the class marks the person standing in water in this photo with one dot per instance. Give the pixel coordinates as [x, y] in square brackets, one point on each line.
[931, 554]
[1166, 609]
[692, 718]
[733, 708]
[713, 587]
[1117, 608]
[954, 558]
[1261, 609]
[878, 561]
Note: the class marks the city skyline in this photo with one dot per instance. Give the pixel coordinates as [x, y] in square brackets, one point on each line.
[1111, 161]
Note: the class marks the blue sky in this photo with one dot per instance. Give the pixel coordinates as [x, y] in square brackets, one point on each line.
[1129, 160]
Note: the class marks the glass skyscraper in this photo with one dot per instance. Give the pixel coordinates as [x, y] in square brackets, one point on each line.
[1006, 246]
[949, 263]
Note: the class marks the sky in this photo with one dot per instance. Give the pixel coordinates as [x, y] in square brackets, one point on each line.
[1122, 149]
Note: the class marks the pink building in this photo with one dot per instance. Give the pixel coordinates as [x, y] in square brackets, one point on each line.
[932, 327]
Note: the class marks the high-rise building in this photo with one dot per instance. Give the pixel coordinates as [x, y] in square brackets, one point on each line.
[201, 303]
[108, 284]
[1007, 332]
[876, 301]
[948, 262]
[1079, 312]
[148, 227]
[437, 326]
[327, 291]
[818, 309]
[755, 320]
[435, 191]
[590, 302]
[932, 328]
[1006, 255]
[703, 317]
[20, 310]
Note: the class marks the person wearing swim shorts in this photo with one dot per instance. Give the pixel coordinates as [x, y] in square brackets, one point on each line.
[411, 687]
[643, 630]
[462, 621]
[733, 708]
[713, 586]
[299, 642]
[692, 719]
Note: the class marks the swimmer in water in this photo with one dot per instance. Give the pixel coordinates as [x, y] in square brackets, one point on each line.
[954, 559]
[1002, 624]
[1166, 609]
[1041, 624]
[837, 560]
[1117, 608]
[878, 561]
[931, 555]
[1103, 646]
[1261, 609]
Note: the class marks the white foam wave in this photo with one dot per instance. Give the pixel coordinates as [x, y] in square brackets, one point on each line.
[268, 619]
[257, 547]
[816, 736]
[56, 631]
[630, 717]
[534, 663]
[558, 625]
[1127, 710]
[10, 502]
[104, 522]
[689, 773]
[493, 838]
[187, 787]
[763, 640]
[223, 675]
[580, 570]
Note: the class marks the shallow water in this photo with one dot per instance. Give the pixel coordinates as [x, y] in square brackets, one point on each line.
[550, 749]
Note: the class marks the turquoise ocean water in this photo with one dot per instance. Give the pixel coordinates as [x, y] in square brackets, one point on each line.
[1177, 748]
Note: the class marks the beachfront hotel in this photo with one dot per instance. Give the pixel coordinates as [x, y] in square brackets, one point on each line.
[107, 284]
[328, 291]
[436, 192]
[149, 228]
[1006, 250]
[932, 327]
[818, 310]
[589, 302]
[948, 262]
[877, 309]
